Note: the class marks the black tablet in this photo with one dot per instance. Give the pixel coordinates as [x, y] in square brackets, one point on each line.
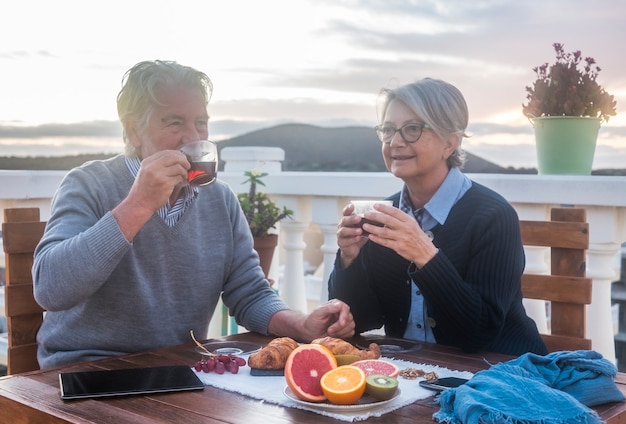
[88, 384]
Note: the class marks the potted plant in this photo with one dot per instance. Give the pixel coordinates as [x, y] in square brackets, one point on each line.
[262, 215]
[566, 106]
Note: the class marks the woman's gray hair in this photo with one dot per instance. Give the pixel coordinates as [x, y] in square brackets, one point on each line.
[438, 104]
[138, 94]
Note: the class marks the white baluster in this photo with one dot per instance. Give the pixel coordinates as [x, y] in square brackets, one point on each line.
[536, 263]
[292, 288]
[599, 315]
[606, 233]
[329, 249]
[326, 212]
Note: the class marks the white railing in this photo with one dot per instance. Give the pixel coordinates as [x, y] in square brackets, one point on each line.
[318, 197]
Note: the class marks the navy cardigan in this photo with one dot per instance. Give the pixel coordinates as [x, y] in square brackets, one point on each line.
[471, 288]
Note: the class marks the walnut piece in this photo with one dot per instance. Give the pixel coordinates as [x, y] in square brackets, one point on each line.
[413, 373]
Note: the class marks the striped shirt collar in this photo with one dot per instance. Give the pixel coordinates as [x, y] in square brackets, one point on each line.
[436, 211]
[169, 214]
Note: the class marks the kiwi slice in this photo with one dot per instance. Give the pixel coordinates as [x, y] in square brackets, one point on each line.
[346, 359]
[380, 386]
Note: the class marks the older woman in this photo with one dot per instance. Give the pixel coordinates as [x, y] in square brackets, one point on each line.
[447, 264]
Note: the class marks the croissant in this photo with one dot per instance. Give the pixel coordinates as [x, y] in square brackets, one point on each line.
[342, 347]
[274, 355]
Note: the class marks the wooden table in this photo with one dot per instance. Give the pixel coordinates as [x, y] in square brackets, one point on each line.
[34, 397]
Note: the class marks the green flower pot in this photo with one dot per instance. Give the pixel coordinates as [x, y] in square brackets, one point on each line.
[565, 144]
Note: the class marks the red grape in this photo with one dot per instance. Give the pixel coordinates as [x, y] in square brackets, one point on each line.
[211, 364]
[220, 364]
[223, 358]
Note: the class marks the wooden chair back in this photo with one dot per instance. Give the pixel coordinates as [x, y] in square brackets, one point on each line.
[566, 287]
[21, 231]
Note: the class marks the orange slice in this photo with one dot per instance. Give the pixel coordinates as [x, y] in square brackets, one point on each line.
[344, 385]
[304, 369]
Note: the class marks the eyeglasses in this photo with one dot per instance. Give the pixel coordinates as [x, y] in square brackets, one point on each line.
[409, 133]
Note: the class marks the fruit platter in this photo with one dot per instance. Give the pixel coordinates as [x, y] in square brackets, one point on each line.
[328, 374]
[359, 378]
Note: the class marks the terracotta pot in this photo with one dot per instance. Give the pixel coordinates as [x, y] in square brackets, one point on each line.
[265, 247]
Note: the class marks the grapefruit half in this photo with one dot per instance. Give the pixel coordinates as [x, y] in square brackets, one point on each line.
[377, 366]
[304, 369]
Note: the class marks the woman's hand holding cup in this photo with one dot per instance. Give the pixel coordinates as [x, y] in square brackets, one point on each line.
[350, 234]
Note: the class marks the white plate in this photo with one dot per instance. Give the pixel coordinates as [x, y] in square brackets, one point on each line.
[226, 347]
[366, 402]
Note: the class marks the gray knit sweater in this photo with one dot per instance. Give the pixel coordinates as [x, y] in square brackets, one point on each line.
[105, 296]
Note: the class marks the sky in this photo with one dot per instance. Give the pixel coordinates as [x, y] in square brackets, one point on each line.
[320, 62]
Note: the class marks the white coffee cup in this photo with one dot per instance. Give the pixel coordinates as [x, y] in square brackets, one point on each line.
[362, 206]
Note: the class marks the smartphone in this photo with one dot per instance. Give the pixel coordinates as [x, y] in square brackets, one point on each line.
[443, 383]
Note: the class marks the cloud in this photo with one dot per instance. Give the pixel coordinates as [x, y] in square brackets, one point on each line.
[320, 62]
[82, 129]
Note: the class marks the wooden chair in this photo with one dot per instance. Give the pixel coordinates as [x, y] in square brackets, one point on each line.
[21, 231]
[566, 287]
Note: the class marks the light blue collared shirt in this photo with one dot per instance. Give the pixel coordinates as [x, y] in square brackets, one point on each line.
[435, 213]
[169, 214]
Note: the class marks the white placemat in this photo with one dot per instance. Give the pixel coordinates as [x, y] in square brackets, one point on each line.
[270, 389]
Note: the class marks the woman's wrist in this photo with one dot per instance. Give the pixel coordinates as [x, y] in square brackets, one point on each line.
[345, 261]
[423, 258]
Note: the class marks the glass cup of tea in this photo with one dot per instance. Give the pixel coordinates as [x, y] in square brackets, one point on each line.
[362, 206]
[202, 155]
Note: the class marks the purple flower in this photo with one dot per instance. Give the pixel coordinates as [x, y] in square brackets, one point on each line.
[562, 89]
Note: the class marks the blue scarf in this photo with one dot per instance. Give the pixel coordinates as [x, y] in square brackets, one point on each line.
[555, 388]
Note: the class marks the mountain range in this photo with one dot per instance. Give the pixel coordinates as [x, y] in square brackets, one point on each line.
[307, 148]
[312, 148]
